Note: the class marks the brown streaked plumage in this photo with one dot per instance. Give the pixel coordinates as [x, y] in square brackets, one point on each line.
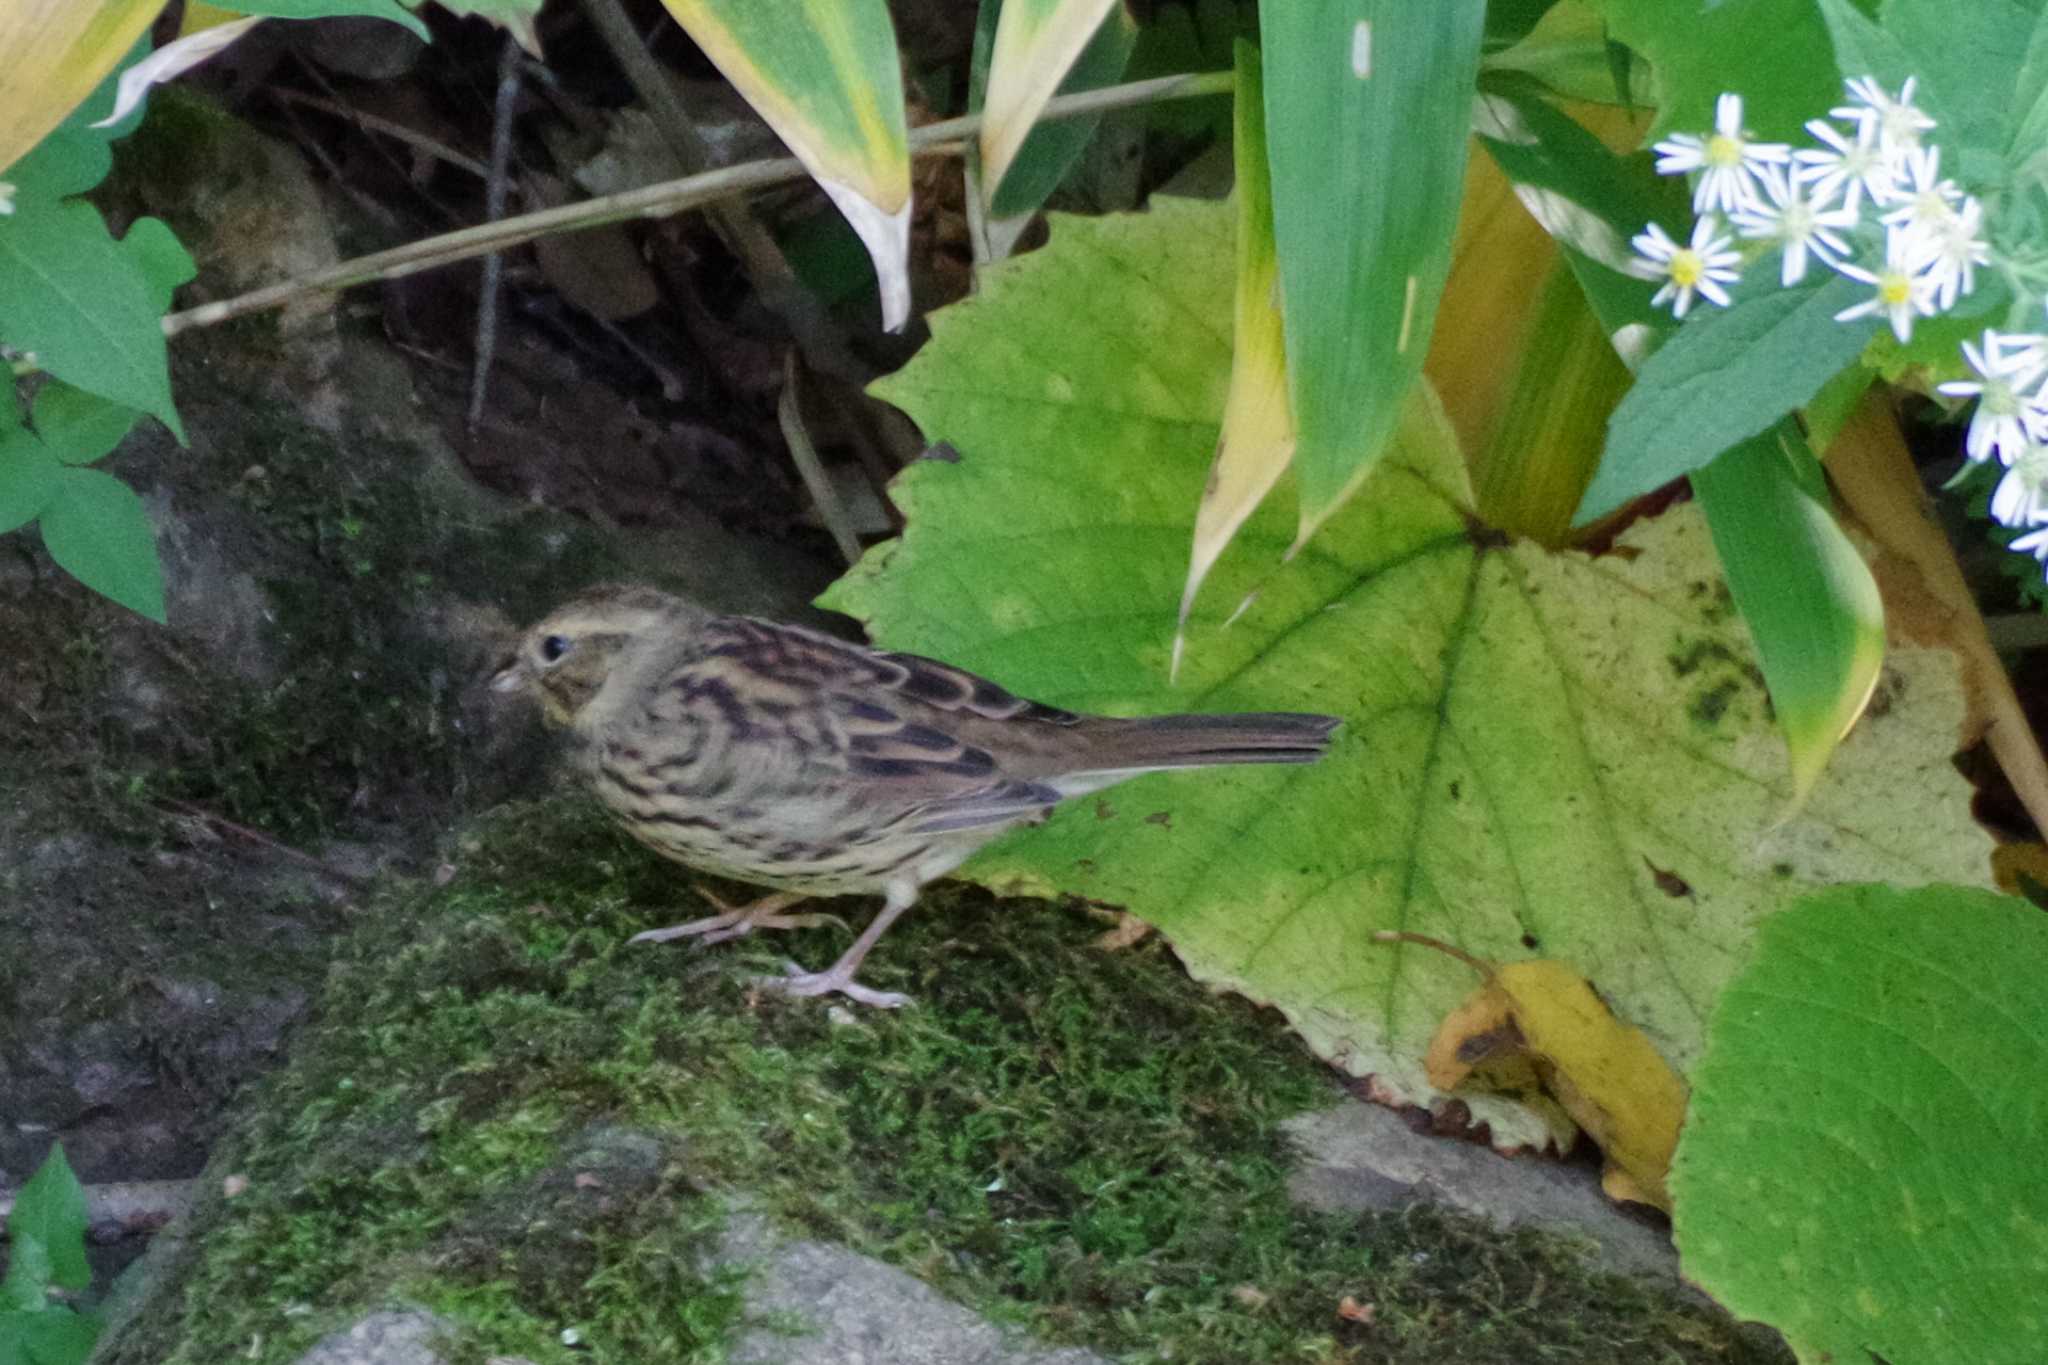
[777, 755]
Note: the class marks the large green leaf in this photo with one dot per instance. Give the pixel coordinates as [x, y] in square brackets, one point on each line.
[1542, 754]
[30, 472]
[1809, 599]
[1367, 124]
[51, 1336]
[1724, 377]
[97, 530]
[1774, 53]
[1967, 60]
[82, 304]
[1861, 1167]
[49, 1214]
[79, 427]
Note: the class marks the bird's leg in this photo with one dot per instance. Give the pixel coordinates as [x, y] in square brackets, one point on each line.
[839, 976]
[739, 921]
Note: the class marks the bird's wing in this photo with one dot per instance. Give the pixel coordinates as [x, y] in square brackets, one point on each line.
[892, 723]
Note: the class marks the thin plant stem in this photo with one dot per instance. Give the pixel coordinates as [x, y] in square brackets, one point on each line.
[945, 138]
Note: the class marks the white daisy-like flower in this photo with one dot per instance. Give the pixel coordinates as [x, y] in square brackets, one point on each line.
[2006, 366]
[1850, 166]
[1702, 266]
[2033, 543]
[2034, 414]
[1797, 224]
[1726, 158]
[1897, 290]
[1951, 252]
[2021, 498]
[1926, 203]
[1898, 122]
[6, 198]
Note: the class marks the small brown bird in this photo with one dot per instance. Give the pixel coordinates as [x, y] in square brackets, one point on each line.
[777, 755]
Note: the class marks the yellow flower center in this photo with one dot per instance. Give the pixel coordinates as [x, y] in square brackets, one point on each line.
[1686, 267]
[1723, 150]
[1894, 288]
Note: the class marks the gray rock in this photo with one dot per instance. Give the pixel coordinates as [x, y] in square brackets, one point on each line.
[1362, 1156]
[385, 1338]
[860, 1311]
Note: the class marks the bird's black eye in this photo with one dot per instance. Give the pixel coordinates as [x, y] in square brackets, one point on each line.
[553, 648]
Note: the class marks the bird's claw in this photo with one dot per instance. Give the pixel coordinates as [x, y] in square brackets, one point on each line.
[796, 981]
[737, 921]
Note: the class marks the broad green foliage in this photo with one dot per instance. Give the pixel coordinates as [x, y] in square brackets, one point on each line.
[81, 304]
[1806, 594]
[1723, 377]
[1862, 1163]
[1774, 52]
[93, 525]
[1369, 110]
[1542, 755]
[86, 307]
[46, 1249]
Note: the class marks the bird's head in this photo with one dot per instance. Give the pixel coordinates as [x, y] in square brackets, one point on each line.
[566, 657]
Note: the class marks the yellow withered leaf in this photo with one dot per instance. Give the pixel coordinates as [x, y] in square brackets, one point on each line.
[56, 51]
[1540, 1022]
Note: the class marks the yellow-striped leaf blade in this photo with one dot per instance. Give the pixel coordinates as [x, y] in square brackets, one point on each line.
[1049, 150]
[1257, 441]
[826, 76]
[1037, 44]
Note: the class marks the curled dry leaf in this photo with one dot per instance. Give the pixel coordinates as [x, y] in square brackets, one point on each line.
[1539, 1023]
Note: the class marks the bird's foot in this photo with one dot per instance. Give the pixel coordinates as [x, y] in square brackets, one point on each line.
[739, 921]
[839, 977]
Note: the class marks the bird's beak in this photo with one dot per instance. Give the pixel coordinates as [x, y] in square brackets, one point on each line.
[510, 677]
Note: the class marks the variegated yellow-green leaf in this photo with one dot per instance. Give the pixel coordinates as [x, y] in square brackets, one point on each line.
[1049, 150]
[1539, 457]
[1257, 441]
[826, 76]
[1367, 143]
[1807, 595]
[1485, 312]
[52, 55]
[1037, 43]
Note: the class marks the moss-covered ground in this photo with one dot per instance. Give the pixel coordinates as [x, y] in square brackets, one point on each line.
[503, 1112]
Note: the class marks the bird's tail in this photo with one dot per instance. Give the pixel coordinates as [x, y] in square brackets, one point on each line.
[1153, 742]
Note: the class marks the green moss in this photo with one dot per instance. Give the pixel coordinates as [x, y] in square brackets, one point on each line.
[1081, 1142]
